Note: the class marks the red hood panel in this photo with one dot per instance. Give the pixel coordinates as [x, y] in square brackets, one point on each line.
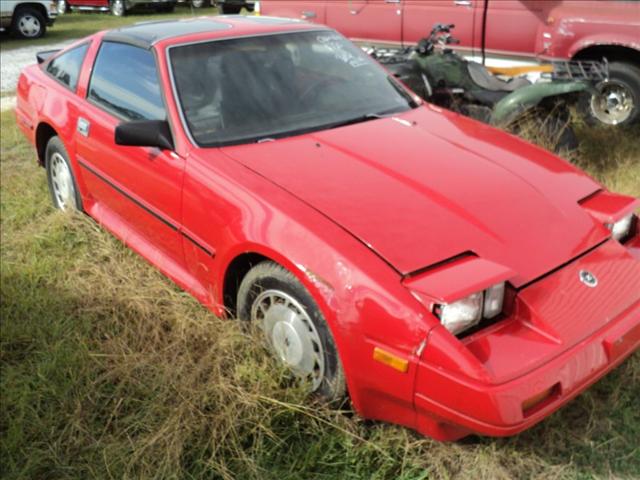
[427, 186]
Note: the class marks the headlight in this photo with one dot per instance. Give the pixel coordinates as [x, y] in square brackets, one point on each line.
[622, 228]
[466, 313]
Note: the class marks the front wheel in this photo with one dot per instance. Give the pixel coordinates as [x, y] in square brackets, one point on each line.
[62, 183]
[118, 8]
[294, 328]
[618, 99]
[29, 23]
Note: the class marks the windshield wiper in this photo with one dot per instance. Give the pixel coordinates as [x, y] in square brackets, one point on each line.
[359, 119]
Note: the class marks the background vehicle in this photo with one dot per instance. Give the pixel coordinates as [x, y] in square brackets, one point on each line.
[116, 7]
[27, 19]
[504, 32]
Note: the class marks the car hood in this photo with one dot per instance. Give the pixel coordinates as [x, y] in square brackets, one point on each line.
[426, 186]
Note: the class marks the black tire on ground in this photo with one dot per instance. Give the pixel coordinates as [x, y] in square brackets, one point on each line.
[250, 7]
[56, 152]
[118, 8]
[165, 9]
[28, 23]
[626, 77]
[230, 9]
[271, 276]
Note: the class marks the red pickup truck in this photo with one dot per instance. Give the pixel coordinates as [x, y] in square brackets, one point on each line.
[500, 32]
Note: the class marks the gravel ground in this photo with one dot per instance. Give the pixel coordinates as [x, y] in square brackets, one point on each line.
[12, 62]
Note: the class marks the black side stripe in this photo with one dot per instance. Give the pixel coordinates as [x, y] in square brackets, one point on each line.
[169, 224]
[199, 245]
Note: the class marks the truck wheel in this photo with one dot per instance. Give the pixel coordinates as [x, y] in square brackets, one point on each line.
[230, 9]
[29, 23]
[294, 328]
[118, 8]
[618, 101]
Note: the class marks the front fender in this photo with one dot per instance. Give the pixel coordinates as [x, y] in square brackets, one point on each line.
[511, 106]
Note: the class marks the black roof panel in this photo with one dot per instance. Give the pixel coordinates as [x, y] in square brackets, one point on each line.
[145, 34]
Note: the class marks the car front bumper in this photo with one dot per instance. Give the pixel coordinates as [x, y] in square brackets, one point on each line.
[450, 406]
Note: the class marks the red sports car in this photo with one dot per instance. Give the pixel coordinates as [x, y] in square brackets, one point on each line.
[446, 275]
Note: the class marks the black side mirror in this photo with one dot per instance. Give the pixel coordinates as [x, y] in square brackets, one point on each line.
[145, 133]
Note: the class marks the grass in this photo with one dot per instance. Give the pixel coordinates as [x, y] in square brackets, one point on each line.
[110, 372]
[78, 25]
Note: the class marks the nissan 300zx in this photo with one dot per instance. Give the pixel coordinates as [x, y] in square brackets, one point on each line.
[443, 274]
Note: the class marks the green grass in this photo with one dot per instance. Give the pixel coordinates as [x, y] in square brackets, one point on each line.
[110, 371]
[78, 25]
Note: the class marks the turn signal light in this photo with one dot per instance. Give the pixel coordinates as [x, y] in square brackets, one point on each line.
[388, 358]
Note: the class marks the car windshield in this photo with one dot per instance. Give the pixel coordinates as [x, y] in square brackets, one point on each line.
[246, 90]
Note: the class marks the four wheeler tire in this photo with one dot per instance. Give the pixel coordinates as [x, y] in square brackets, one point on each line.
[230, 9]
[619, 99]
[28, 23]
[118, 8]
[294, 327]
[60, 178]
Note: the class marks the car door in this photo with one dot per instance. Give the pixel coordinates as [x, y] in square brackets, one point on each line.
[373, 21]
[420, 16]
[512, 28]
[136, 190]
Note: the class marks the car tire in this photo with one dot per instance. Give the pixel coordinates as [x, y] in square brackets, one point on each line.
[619, 99]
[62, 7]
[118, 8]
[295, 329]
[230, 9]
[60, 178]
[28, 23]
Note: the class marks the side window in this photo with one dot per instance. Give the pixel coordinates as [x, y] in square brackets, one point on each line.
[66, 67]
[125, 82]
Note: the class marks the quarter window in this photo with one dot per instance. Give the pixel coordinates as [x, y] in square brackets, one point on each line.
[125, 83]
[66, 67]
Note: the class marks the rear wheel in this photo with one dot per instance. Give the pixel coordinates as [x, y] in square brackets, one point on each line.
[294, 328]
[118, 8]
[62, 183]
[29, 23]
[230, 9]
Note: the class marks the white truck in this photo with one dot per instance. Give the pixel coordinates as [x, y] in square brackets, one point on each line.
[27, 18]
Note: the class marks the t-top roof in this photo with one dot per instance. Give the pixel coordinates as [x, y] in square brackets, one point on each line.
[146, 34]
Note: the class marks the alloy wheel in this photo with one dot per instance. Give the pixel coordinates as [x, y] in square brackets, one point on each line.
[29, 26]
[613, 104]
[62, 7]
[118, 8]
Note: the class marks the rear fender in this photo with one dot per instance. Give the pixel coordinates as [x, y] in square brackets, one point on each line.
[514, 104]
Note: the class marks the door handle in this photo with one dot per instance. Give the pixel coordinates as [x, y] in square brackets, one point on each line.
[462, 3]
[309, 14]
[83, 126]
[391, 1]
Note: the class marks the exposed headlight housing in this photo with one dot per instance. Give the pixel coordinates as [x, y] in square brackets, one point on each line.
[463, 314]
[622, 228]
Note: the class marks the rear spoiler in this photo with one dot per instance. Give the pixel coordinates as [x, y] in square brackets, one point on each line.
[45, 55]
